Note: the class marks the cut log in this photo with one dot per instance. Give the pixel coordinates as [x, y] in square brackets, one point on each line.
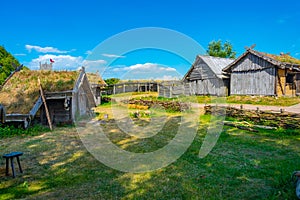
[237, 125]
[265, 127]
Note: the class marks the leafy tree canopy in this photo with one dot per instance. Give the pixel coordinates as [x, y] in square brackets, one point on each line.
[217, 49]
[7, 62]
[111, 81]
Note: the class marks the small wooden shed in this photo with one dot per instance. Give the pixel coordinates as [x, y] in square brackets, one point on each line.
[97, 84]
[67, 93]
[257, 73]
[206, 76]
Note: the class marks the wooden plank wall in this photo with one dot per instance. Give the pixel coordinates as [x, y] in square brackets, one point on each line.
[201, 71]
[214, 87]
[253, 76]
[57, 112]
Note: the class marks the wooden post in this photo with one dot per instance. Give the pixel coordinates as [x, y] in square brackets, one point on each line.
[285, 75]
[114, 89]
[45, 104]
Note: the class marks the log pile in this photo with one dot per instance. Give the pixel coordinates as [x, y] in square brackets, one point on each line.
[168, 105]
[274, 119]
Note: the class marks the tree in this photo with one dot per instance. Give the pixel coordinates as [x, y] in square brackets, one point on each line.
[111, 81]
[7, 62]
[216, 49]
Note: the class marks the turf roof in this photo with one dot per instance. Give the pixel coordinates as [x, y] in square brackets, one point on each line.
[95, 78]
[285, 58]
[21, 92]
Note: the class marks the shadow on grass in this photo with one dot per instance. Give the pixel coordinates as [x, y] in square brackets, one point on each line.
[242, 165]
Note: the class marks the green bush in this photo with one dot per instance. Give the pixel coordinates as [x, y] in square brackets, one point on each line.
[9, 131]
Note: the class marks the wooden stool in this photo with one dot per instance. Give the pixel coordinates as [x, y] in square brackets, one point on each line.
[11, 157]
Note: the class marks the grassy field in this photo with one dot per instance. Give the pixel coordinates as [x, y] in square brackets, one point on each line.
[255, 100]
[243, 165]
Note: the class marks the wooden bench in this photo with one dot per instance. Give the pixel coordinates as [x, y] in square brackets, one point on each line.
[11, 156]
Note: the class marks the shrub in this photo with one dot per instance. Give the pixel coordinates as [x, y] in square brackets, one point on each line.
[9, 131]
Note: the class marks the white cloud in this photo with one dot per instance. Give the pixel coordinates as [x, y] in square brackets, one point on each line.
[146, 67]
[66, 62]
[94, 62]
[168, 78]
[20, 54]
[112, 55]
[45, 49]
[88, 52]
[94, 65]
[61, 62]
[145, 71]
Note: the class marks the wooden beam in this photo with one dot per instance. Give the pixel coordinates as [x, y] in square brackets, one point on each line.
[285, 75]
[45, 104]
[279, 81]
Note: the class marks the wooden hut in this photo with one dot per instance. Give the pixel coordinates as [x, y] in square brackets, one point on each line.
[67, 93]
[97, 84]
[206, 76]
[257, 73]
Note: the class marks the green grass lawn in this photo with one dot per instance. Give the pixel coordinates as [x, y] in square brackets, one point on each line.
[271, 101]
[255, 100]
[243, 165]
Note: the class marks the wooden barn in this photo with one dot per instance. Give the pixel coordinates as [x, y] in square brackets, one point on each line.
[206, 76]
[67, 95]
[257, 73]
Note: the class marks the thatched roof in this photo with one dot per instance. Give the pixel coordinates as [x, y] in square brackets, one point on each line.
[95, 78]
[21, 91]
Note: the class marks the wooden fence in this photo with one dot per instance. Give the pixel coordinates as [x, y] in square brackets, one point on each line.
[172, 89]
[132, 87]
[168, 89]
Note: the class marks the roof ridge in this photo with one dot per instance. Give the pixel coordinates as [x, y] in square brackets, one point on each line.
[215, 57]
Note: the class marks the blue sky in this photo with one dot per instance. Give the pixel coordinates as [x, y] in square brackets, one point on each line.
[69, 31]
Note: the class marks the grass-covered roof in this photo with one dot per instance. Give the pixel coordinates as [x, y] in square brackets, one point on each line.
[95, 78]
[285, 58]
[21, 92]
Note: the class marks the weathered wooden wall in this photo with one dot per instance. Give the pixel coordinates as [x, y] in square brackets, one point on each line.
[206, 78]
[57, 111]
[253, 76]
[201, 71]
[214, 87]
